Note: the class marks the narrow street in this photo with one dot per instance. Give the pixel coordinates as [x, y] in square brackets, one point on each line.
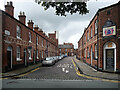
[60, 75]
[63, 70]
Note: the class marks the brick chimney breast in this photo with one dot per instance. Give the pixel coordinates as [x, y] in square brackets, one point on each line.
[22, 17]
[9, 8]
[30, 24]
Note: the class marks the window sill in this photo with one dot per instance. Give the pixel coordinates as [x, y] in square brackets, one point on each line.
[19, 38]
[30, 41]
[30, 58]
[18, 59]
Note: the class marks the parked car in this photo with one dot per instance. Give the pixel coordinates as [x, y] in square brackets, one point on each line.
[55, 58]
[48, 61]
[60, 57]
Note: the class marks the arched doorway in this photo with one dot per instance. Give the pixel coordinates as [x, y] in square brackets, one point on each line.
[109, 62]
[9, 57]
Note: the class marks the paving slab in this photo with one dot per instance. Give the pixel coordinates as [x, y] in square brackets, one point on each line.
[20, 70]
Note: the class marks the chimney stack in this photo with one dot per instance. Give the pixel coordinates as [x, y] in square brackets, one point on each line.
[30, 24]
[9, 8]
[22, 17]
[40, 31]
[36, 28]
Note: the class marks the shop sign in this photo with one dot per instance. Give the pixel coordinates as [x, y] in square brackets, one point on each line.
[109, 31]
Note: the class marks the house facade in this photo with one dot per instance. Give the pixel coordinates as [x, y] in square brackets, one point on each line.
[99, 45]
[21, 44]
[66, 49]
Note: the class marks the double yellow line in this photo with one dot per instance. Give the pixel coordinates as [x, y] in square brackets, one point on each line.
[90, 77]
[23, 74]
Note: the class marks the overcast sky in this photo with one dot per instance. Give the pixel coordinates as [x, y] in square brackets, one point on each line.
[70, 28]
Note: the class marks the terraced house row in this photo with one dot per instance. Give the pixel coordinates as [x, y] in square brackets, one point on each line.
[99, 45]
[22, 45]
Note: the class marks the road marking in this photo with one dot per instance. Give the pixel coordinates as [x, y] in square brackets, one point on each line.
[28, 72]
[3, 78]
[63, 69]
[23, 74]
[66, 71]
[90, 77]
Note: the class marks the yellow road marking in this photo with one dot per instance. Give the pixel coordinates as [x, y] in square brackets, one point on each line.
[23, 74]
[90, 77]
[3, 78]
[28, 72]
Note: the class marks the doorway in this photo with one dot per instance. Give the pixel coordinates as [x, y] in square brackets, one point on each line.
[9, 57]
[110, 59]
[25, 57]
[109, 62]
[34, 56]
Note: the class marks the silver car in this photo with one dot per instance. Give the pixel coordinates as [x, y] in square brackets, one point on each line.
[55, 58]
[48, 61]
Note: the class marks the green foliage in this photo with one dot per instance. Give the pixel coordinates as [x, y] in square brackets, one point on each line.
[61, 8]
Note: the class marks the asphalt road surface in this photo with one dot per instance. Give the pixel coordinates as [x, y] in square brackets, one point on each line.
[60, 75]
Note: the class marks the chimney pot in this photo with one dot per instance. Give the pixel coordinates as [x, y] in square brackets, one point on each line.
[7, 3]
[11, 3]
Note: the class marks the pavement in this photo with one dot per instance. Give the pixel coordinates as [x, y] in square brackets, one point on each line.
[89, 71]
[20, 71]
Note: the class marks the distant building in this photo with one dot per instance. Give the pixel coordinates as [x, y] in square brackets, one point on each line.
[22, 45]
[99, 45]
[66, 49]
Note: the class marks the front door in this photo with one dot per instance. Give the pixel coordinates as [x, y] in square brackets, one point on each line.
[9, 58]
[25, 57]
[34, 56]
[110, 59]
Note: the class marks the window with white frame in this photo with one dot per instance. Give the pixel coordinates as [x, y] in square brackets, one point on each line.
[65, 50]
[91, 32]
[96, 52]
[46, 43]
[88, 55]
[88, 35]
[96, 26]
[42, 43]
[84, 39]
[18, 32]
[18, 52]
[71, 50]
[30, 37]
[30, 57]
[37, 40]
[60, 50]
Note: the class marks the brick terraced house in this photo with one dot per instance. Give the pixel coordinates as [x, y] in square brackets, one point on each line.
[22, 45]
[99, 45]
[66, 49]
